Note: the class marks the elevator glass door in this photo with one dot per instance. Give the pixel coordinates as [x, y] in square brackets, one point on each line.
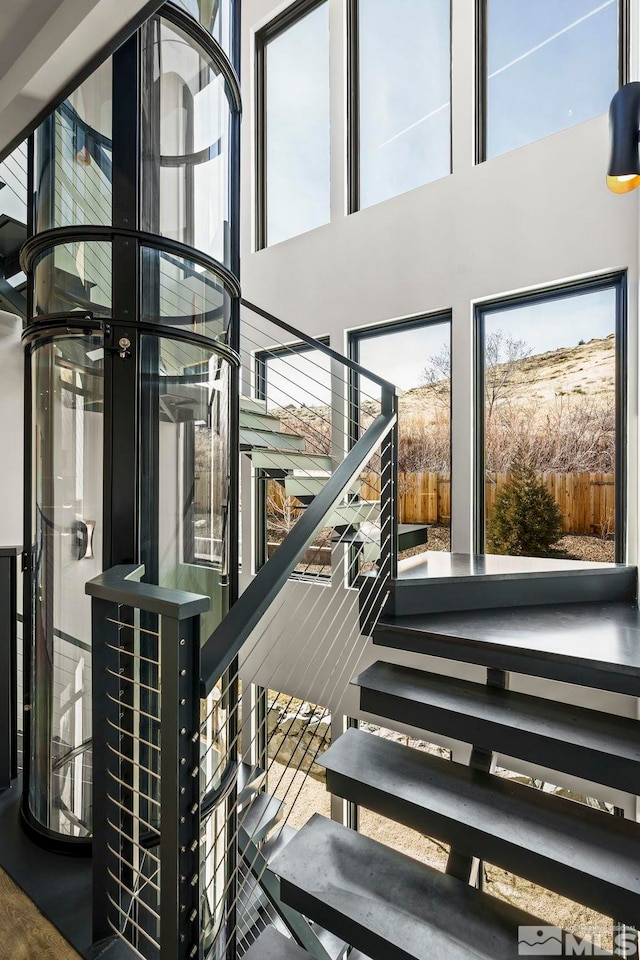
[67, 469]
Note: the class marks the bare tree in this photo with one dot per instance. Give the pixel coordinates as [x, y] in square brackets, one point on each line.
[282, 510]
[502, 358]
[436, 376]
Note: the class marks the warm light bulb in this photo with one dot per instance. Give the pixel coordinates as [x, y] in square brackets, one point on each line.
[623, 184]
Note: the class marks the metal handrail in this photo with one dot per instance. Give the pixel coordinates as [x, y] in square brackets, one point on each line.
[227, 639]
[117, 585]
[322, 348]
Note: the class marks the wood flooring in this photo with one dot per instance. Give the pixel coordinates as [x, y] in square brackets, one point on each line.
[24, 933]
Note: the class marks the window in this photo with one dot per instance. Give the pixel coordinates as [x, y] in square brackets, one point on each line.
[546, 66]
[415, 355]
[552, 423]
[400, 128]
[295, 382]
[293, 123]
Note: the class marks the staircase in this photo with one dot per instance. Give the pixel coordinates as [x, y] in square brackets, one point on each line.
[327, 891]
[387, 905]
[283, 456]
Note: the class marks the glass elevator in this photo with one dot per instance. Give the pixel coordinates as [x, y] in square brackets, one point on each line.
[131, 367]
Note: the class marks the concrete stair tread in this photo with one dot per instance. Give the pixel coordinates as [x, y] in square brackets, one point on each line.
[292, 460]
[587, 855]
[260, 816]
[598, 747]
[388, 905]
[305, 488]
[593, 644]
[277, 842]
[272, 945]
[442, 582]
[252, 405]
[250, 779]
[259, 421]
[270, 440]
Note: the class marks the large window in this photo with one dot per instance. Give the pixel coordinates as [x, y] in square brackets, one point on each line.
[401, 89]
[546, 66]
[295, 383]
[552, 424]
[415, 355]
[293, 119]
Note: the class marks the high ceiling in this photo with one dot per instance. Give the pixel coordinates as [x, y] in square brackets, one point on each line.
[43, 45]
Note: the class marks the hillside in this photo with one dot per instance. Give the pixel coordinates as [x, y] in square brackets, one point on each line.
[536, 381]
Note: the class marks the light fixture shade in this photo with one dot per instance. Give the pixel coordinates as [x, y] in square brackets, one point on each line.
[623, 174]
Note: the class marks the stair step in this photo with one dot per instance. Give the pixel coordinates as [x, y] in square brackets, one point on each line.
[251, 405]
[271, 440]
[250, 779]
[271, 945]
[388, 905]
[306, 488]
[259, 421]
[296, 460]
[260, 816]
[442, 582]
[587, 855]
[412, 535]
[595, 746]
[277, 842]
[348, 514]
[591, 644]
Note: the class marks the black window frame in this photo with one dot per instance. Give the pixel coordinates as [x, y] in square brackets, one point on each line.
[261, 359]
[616, 280]
[355, 337]
[353, 104]
[288, 18]
[481, 44]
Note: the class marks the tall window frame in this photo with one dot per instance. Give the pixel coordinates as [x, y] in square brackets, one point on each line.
[482, 39]
[353, 104]
[284, 21]
[355, 338]
[617, 281]
[260, 363]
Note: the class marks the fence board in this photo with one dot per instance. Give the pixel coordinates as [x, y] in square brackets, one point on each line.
[586, 500]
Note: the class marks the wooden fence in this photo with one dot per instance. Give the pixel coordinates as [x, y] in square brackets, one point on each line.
[586, 500]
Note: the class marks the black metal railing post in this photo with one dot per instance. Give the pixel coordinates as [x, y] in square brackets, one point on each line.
[146, 865]
[389, 491]
[106, 716]
[8, 665]
[180, 937]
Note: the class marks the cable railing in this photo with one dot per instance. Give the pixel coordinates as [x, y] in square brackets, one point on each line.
[297, 635]
[241, 719]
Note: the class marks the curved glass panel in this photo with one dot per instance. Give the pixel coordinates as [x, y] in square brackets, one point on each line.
[184, 433]
[215, 16]
[73, 151]
[74, 276]
[180, 293]
[67, 443]
[185, 156]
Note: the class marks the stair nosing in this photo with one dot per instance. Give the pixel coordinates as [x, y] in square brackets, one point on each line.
[583, 728]
[402, 912]
[458, 794]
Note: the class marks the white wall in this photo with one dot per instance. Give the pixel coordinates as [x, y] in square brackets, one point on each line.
[43, 45]
[11, 404]
[536, 216]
